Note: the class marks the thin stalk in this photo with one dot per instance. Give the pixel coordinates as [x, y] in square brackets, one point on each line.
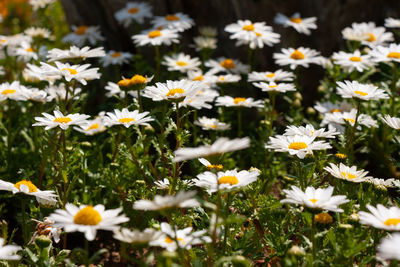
[239, 118]
[87, 252]
[226, 229]
[393, 90]
[24, 223]
[178, 144]
[212, 248]
[349, 146]
[313, 242]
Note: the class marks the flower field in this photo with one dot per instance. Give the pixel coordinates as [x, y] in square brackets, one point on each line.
[180, 155]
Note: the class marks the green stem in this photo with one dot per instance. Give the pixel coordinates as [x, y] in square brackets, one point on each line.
[393, 90]
[24, 224]
[87, 252]
[313, 242]
[226, 229]
[239, 118]
[349, 146]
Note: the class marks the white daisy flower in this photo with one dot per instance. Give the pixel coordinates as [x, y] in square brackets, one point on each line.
[352, 61]
[297, 57]
[197, 102]
[367, 34]
[320, 198]
[227, 78]
[220, 146]
[156, 37]
[386, 54]
[310, 131]
[301, 25]
[83, 34]
[35, 94]
[173, 90]
[381, 183]
[388, 247]
[75, 52]
[204, 42]
[347, 173]
[14, 91]
[115, 58]
[381, 217]
[182, 200]
[8, 252]
[59, 119]
[91, 127]
[329, 107]
[137, 236]
[392, 122]
[354, 89]
[38, 32]
[341, 118]
[181, 62]
[212, 124]
[392, 23]
[25, 52]
[206, 78]
[253, 34]
[37, 4]
[275, 87]
[229, 101]
[162, 184]
[87, 219]
[226, 65]
[225, 180]
[267, 76]
[177, 22]
[127, 118]
[299, 145]
[133, 11]
[185, 238]
[27, 187]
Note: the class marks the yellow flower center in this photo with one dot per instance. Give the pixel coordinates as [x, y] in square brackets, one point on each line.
[171, 17]
[71, 71]
[211, 126]
[81, 30]
[355, 59]
[393, 55]
[270, 75]
[3, 40]
[169, 240]
[8, 91]
[138, 79]
[298, 145]
[334, 110]
[87, 216]
[228, 64]
[297, 55]
[93, 126]
[62, 120]
[237, 100]
[221, 78]
[116, 54]
[124, 83]
[273, 86]
[172, 92]
[296, 20]
[350, 120]
[154, 34]
[258, 34]
[392, 221]
[313, 200]
[198, 78]
[371, 37]
[249, 27]
[133, 10]
[323, 218]
[181, 63]
[217, 167]
[340, 155]
[126, 120]
[360, 93]
[29, 184]
[348, 175]
[228, 180]
[30, 49]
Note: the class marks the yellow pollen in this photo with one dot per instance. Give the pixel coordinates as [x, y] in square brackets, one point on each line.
[8, 91]
[30, 49]
[124, 82]
[172, 92]
[334, 110]
[93, 126]
[62, 120]
[270, 75]
[348, 175]
[171, 18]
[313, 200]
[212, 166]
[371, 37]
[237, 100]
[350, 120]
[87, 216]
[392, 221]
[71, 71]
[3, 40]
[228, 180]
[181, 63]
[169, 240]
[81, 30]
[249, 27]
[29, 184]
[296, 20]
[297, 55]
[126, 120]
[116, 54]
[340, 155]
[361, 93]
[198, 78]
[393, 55]
[323, 218]
[298, 145]
[355, 59]
[228, 64]
[211, 126]
[258, 34]
[222, 78]
[133, 10]
[154, 34]
[137, 79]
[273, 86]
